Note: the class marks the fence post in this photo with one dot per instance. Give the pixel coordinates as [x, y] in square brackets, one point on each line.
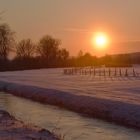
[90, 71]
[104, 72]
[120, 72]
[109, 72]
[99, 72]
[126, 73]
[134, 74]
[115, 72]
[80, 71]
[94, 71]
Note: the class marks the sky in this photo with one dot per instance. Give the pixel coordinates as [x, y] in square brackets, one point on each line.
[75, 21]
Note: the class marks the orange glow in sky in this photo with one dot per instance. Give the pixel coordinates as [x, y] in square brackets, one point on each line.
[75, 23]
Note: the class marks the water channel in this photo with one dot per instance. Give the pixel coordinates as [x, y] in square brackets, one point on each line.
[69, 124]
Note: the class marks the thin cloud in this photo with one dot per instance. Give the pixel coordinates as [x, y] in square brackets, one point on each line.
[77, 30]
[129, 42]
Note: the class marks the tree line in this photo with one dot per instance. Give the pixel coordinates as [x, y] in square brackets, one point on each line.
[47, 53]
[28, 55]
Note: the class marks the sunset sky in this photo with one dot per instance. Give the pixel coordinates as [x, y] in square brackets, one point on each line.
[76, 21]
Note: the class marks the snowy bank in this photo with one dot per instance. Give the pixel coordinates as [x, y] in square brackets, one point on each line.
[11, 129]
[119, 112]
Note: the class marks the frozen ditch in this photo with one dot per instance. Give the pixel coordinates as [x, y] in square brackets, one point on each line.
[64, 122]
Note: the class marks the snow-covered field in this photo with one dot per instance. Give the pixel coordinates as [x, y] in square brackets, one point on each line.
[126, 89]
[111, 98]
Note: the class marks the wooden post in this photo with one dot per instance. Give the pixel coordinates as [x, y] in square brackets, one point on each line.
[70, 71]
[94, 71]
[90, 71]
[80, 71]
[104, 72]
[85, 72]
[126, 73]
[115, 72]
[134, 74]
[120, 71]
[64, 71]
[109, 72]
[99, 72]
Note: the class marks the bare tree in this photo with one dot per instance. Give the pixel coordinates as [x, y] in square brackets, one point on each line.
[6, 41]
[48, 47]
[63, 54]
[25, 49]
[80, 54]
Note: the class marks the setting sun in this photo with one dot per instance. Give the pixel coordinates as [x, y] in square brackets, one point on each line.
[100, 40]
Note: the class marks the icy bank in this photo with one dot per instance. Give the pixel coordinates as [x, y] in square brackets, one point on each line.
[123, 113]
[11, 129]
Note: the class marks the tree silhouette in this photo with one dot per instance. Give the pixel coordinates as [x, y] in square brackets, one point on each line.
[25, 49]
[80, 54]
[63, 54]
[48, 48]
[6, 41]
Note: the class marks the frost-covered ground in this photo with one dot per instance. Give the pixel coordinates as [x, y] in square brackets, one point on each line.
[11, 129]
[112, 98]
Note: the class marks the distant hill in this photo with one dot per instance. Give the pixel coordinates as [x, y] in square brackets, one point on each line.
[115, 60]
[134, 57]
[134, 54]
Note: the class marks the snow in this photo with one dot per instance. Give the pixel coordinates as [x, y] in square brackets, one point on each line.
[12, 129]
[113, 98]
